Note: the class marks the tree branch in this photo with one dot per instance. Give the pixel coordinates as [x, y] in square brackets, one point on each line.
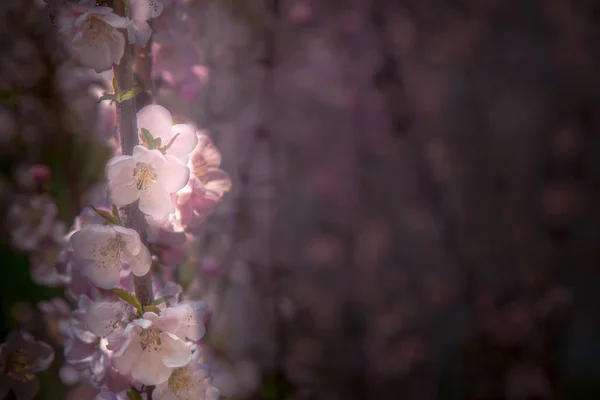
[126, 118]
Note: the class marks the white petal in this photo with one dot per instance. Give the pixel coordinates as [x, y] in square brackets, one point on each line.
[130, 237]
[101, 318]
[168, 321]
[139, 32]
[146, 9]
[123, 361]
[119, 172]
[92, 51]
[88, 240]
[156, 202]
[193, 319]
[140, 263]
[185, 143]
[105, 277]
[157, 120]
[173, 174]
[174, 352]
[123, 195]
[119, 167]
[149, 369]
[116, 46]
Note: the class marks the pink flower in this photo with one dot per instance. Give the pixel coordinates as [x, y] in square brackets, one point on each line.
[92, 35]
[21, 357]
[151, 350]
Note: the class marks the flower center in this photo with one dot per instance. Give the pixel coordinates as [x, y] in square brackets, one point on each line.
[98, 27]
[110, 253]
[180, 381]
[143, 175]
[150, 339]
[19, 366]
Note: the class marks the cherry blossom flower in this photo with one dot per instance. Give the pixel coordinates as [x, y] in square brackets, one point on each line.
[106, 318]
[209, 181]
[48, 263]
[191, 314]
[159, 122]
[149, 176]
[138, 30]
[192, 382]
[105, 248]
[30, 219]
[92, 33]
[152, 350]
[21, 357]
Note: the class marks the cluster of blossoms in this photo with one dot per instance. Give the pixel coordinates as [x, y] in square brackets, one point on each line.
[117, 342]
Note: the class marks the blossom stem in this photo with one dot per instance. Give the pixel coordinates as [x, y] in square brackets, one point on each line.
[143, 68]
[127, 120]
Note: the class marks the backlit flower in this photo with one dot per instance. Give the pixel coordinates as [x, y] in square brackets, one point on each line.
[92, 34]
[104, 248]
[152, 350]
[159, 122]
[147, 175]
[192, 382]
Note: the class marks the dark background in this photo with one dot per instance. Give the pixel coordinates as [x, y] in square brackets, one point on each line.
[416, 191]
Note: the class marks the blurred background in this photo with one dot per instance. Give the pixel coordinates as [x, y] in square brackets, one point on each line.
[414, 212]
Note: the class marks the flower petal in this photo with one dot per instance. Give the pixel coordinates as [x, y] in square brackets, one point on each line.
[107, 277]
[157, 120]
[101, 318]
[150, 369]
[185, 143]
[120, 166]
[173, 174]
[88, 240]
[174, 352]
[124, 360]
[130, 237]
[139, 263]
[216, 182]
[156, 202]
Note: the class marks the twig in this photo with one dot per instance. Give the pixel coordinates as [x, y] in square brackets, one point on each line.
[127, 120]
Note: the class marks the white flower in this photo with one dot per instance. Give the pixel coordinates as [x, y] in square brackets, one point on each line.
[147, 175]
[192, 315]
[159, 122]
[152, 350]
[192, 382]
[105, 248]
[138, 31]
[93, 35]
[105, 318]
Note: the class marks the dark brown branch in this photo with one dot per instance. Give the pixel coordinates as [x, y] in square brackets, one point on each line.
[126, 118]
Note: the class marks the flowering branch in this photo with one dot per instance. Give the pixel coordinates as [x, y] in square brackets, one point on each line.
[127, 121]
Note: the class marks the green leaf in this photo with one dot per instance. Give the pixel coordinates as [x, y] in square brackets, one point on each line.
[104, 214]
[108, 96]
[153, 309]
[129, 94]
[148, 138]
[116, 84]
[128, 298]
[161, 300]
[165, 148]
[133, 395]
[116, 216]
